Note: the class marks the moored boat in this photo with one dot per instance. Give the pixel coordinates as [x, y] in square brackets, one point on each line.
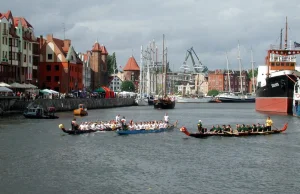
[233, 134]
[81, 111]
[40, 113]
[275, 81]
[164, 103]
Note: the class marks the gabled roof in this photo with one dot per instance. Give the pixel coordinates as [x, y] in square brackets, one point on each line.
[103, 50]
[96, 47]
[131, 65]
[6, 15]
[23, 21]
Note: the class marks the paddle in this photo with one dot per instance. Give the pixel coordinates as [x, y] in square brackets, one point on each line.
[275, 127]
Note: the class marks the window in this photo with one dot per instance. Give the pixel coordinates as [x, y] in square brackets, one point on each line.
[48, 67]
[56, 78]
[24, 45]
[29, 58]
[25, 58]
[48, 78]
[56, 67]
[10, 42]
[49, 56]
[29, 45]
[10, 55]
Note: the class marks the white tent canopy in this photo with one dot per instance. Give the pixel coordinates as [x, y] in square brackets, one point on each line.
[30, 86]
[49, 91]
[2, 84]
[16, 85]
[5, 89]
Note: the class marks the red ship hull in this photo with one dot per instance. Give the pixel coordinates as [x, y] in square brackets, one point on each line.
[274, 104]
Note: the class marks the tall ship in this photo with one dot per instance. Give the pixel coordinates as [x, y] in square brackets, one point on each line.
[164, 101]
[276, 80]
[233, 97]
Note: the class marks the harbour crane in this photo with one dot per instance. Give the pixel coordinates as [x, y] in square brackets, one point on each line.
[199, 67]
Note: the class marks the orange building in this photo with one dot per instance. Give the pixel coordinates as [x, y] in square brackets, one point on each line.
[60, 68]
[132, 71]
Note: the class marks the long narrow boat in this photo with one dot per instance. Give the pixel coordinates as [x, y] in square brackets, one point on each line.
[235, 134]
[131, 132]
[77, 132]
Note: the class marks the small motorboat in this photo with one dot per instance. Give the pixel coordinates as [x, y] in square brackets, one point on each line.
[37, 112]
[234, 134]
[81, 111]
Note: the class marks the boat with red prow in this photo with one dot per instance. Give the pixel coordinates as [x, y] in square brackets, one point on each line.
[235, 133]
[276, 80]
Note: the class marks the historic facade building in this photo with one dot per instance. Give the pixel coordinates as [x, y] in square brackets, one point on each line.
[9, 49]
[60, 68]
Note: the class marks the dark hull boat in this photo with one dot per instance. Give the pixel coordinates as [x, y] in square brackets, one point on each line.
[164, 104]
[40, 117]
[236, 134]
[78, 132]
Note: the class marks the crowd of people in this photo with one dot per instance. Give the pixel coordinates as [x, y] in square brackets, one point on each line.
[121, 124]
[238, 128]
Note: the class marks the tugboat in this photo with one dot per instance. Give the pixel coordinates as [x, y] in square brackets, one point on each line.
[39, 113]
[275, 81]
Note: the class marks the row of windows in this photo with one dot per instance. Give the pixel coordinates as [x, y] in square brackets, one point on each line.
[283, 64]
[15, 43]
[56, 79]
[56, 68]
[16, 56]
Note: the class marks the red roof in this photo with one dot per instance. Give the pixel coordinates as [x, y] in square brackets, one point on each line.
[23, 21]
[96, 47]
[131, 65]
[6, 15]
[103, 50]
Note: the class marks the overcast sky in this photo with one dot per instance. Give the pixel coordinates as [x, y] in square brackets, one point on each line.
[210, 27]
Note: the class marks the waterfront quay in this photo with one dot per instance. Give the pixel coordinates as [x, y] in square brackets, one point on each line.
[69, 104]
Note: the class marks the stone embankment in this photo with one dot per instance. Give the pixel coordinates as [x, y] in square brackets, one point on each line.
[71, 104]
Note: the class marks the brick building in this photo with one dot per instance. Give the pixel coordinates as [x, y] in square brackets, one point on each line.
[132, 71]
[218, 80]
[60, 68]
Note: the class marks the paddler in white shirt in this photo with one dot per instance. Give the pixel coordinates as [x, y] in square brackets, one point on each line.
[166, 118]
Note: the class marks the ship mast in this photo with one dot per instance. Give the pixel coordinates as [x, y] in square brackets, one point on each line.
[252, 63]
[240, 64]
[286, 33]
[163, 67]
[141, 72]
[228, 77]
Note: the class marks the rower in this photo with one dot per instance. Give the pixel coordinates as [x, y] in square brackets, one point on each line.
[269, 123]
[74, 124]
[166, 118]
[118, 118]
[200, 126]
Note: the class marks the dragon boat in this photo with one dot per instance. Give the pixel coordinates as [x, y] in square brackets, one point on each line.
[233, 134]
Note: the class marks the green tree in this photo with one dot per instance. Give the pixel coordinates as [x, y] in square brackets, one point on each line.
[250, 73]
[111, 64]
[213, 92]
[127, 86]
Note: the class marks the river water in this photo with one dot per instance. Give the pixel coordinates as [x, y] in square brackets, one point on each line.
[36, 157]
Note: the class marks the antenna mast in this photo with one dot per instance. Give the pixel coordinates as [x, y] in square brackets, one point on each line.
[281, 38]
[286, 33]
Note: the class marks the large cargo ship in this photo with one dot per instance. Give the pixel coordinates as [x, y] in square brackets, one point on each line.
[276, 80]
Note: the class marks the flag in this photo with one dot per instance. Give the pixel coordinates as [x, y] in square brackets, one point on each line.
[296, 44]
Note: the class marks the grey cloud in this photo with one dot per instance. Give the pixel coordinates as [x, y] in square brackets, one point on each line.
[211, 27]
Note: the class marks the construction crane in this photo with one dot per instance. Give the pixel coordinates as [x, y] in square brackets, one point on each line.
[199, 67]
